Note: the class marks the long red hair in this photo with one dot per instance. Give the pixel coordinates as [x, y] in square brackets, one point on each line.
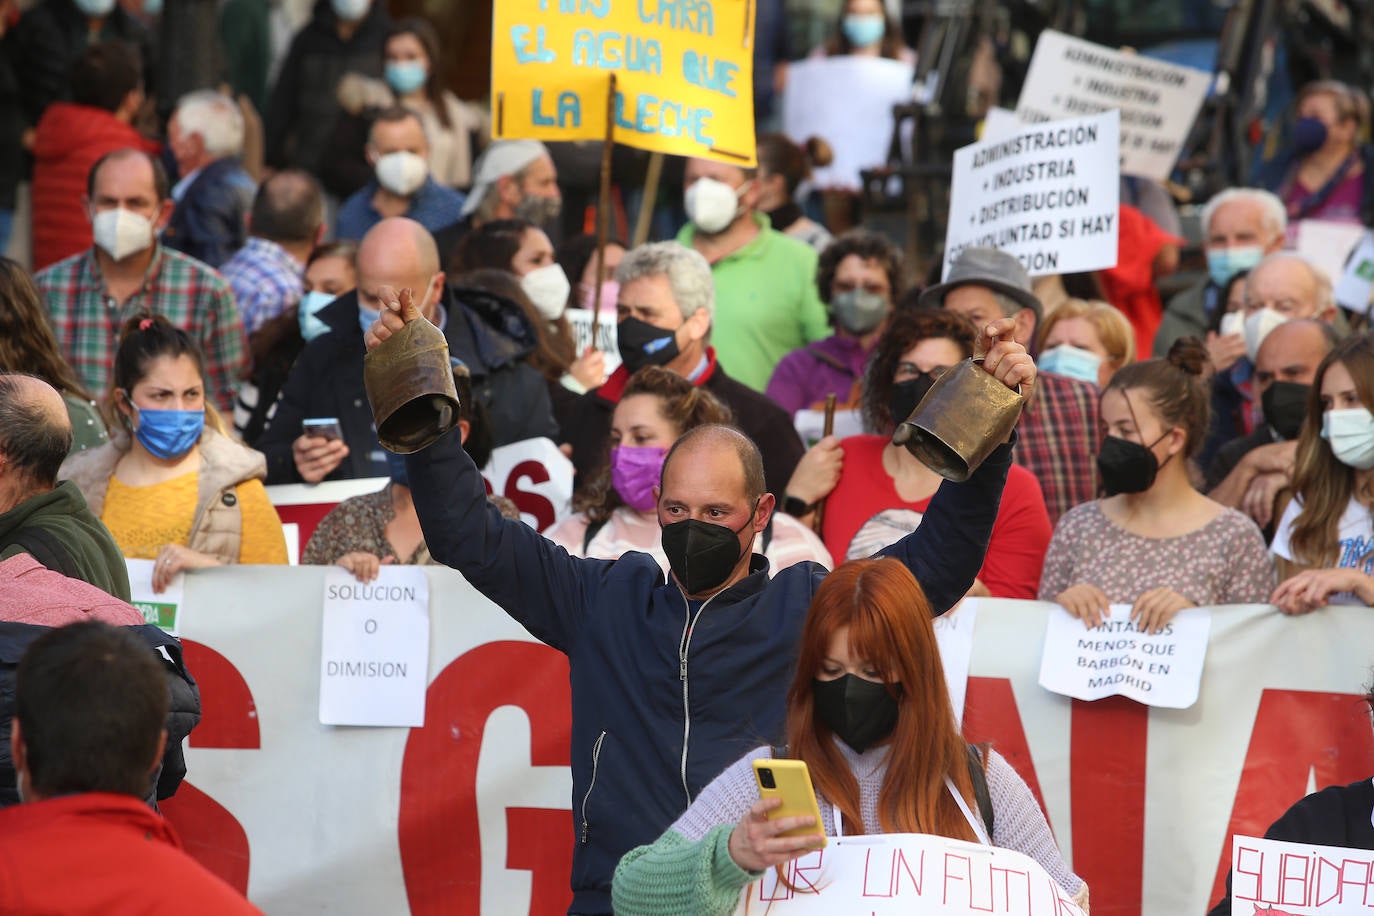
[888, 618]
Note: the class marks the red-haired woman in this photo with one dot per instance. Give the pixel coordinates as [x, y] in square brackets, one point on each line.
[869, 712]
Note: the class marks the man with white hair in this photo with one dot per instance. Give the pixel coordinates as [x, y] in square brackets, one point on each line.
[665, 310]
[398, 151]
[1240, 227]
[513, 179]
[214, 193]
[1282, 287]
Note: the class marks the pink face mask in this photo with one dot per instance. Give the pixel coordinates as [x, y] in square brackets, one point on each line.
[635, 471]
[610, 292]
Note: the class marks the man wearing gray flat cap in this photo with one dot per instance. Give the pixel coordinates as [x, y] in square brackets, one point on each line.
[1058, 428]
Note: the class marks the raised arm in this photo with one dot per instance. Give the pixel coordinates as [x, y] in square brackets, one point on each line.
[946, 552]
[532, 579]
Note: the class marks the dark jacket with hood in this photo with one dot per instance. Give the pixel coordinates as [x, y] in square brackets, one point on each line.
[666, 693]
[59, 530]
[303, 107]
[51, 38]
[209, 222]
[327, 381]
[182, 716]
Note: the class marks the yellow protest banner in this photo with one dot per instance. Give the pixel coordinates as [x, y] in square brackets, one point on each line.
[684, 73]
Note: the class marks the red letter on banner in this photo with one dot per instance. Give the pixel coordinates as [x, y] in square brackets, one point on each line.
[1296, 732]
[439, 828]
[229, 719]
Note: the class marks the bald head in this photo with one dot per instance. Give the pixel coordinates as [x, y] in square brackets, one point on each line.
[1292, 352]
[399, 253]
[35, 437]
[708, 444]
[1290, 285]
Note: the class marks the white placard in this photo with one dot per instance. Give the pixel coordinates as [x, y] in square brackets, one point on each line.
[1327, 244]
[911, 874]
[534, 475]
[954, 636]
[581, 321]
[999, 123]
[1116, 658]
[1271, 876]
[846, 101]
[1356, 285]
[374, 648]
[1048, 194]
[160, 608]
[1158, 101]
[810, 424]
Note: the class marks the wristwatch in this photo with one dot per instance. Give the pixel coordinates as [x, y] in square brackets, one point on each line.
[796, 507]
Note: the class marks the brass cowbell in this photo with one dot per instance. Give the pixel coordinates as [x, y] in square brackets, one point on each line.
[964, 416]
[409, 381]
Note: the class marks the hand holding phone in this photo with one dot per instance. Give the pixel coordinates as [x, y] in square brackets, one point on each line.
[322, 427]
[784, 823]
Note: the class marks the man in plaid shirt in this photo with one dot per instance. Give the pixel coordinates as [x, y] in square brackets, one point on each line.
[128, 272]
[1058, 429]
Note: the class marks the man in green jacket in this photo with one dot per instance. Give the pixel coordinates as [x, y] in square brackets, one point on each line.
[39, 516]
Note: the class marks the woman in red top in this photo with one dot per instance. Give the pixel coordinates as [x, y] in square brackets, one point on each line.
[877, 491]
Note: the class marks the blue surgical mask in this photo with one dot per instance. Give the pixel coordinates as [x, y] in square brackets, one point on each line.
[95, 7]
[864, 30]
[405, 76]
[1072, 362]
[367, 318]
[152, 7]
[307, 313]
[168, 434]
[1225, 263]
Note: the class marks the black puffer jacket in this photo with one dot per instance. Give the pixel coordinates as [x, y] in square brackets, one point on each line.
[15, 638]
[303, 107]
[492, 337]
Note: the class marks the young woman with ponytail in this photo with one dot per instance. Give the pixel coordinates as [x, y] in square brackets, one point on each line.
[1154, 542]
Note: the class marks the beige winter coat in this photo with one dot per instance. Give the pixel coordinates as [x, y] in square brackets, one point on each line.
[224, 464]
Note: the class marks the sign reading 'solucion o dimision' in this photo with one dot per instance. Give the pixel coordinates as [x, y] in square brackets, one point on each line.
[1158, 101]
[374, 648]
[1047, 194]
[684, 73]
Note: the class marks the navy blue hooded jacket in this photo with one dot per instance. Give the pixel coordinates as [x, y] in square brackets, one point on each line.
[657, 714]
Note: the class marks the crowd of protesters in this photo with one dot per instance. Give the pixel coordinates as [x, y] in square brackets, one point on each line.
[209, 270]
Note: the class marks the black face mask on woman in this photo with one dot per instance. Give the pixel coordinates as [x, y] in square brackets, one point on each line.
[860, 712]
[905, 395]
[702, 555]
[1126, 466]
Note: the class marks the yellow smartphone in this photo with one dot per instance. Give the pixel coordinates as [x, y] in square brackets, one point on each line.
[791, 781]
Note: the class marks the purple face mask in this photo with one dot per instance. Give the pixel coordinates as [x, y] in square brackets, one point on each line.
[635, 471]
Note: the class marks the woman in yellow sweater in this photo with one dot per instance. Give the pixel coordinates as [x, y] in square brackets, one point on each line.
[170, 485]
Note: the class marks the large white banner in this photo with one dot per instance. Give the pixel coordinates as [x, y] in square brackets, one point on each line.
[470, 813]
[1158, 101]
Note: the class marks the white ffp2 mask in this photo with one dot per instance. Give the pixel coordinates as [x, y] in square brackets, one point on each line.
[121, 233]
[402, 172]
[548, 289]
[711, 205]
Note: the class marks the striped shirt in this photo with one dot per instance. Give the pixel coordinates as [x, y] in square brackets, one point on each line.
[266, 280]
[190, 294]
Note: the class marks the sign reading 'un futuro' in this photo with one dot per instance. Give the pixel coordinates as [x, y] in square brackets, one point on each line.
[1048, 194]
[683, 68]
